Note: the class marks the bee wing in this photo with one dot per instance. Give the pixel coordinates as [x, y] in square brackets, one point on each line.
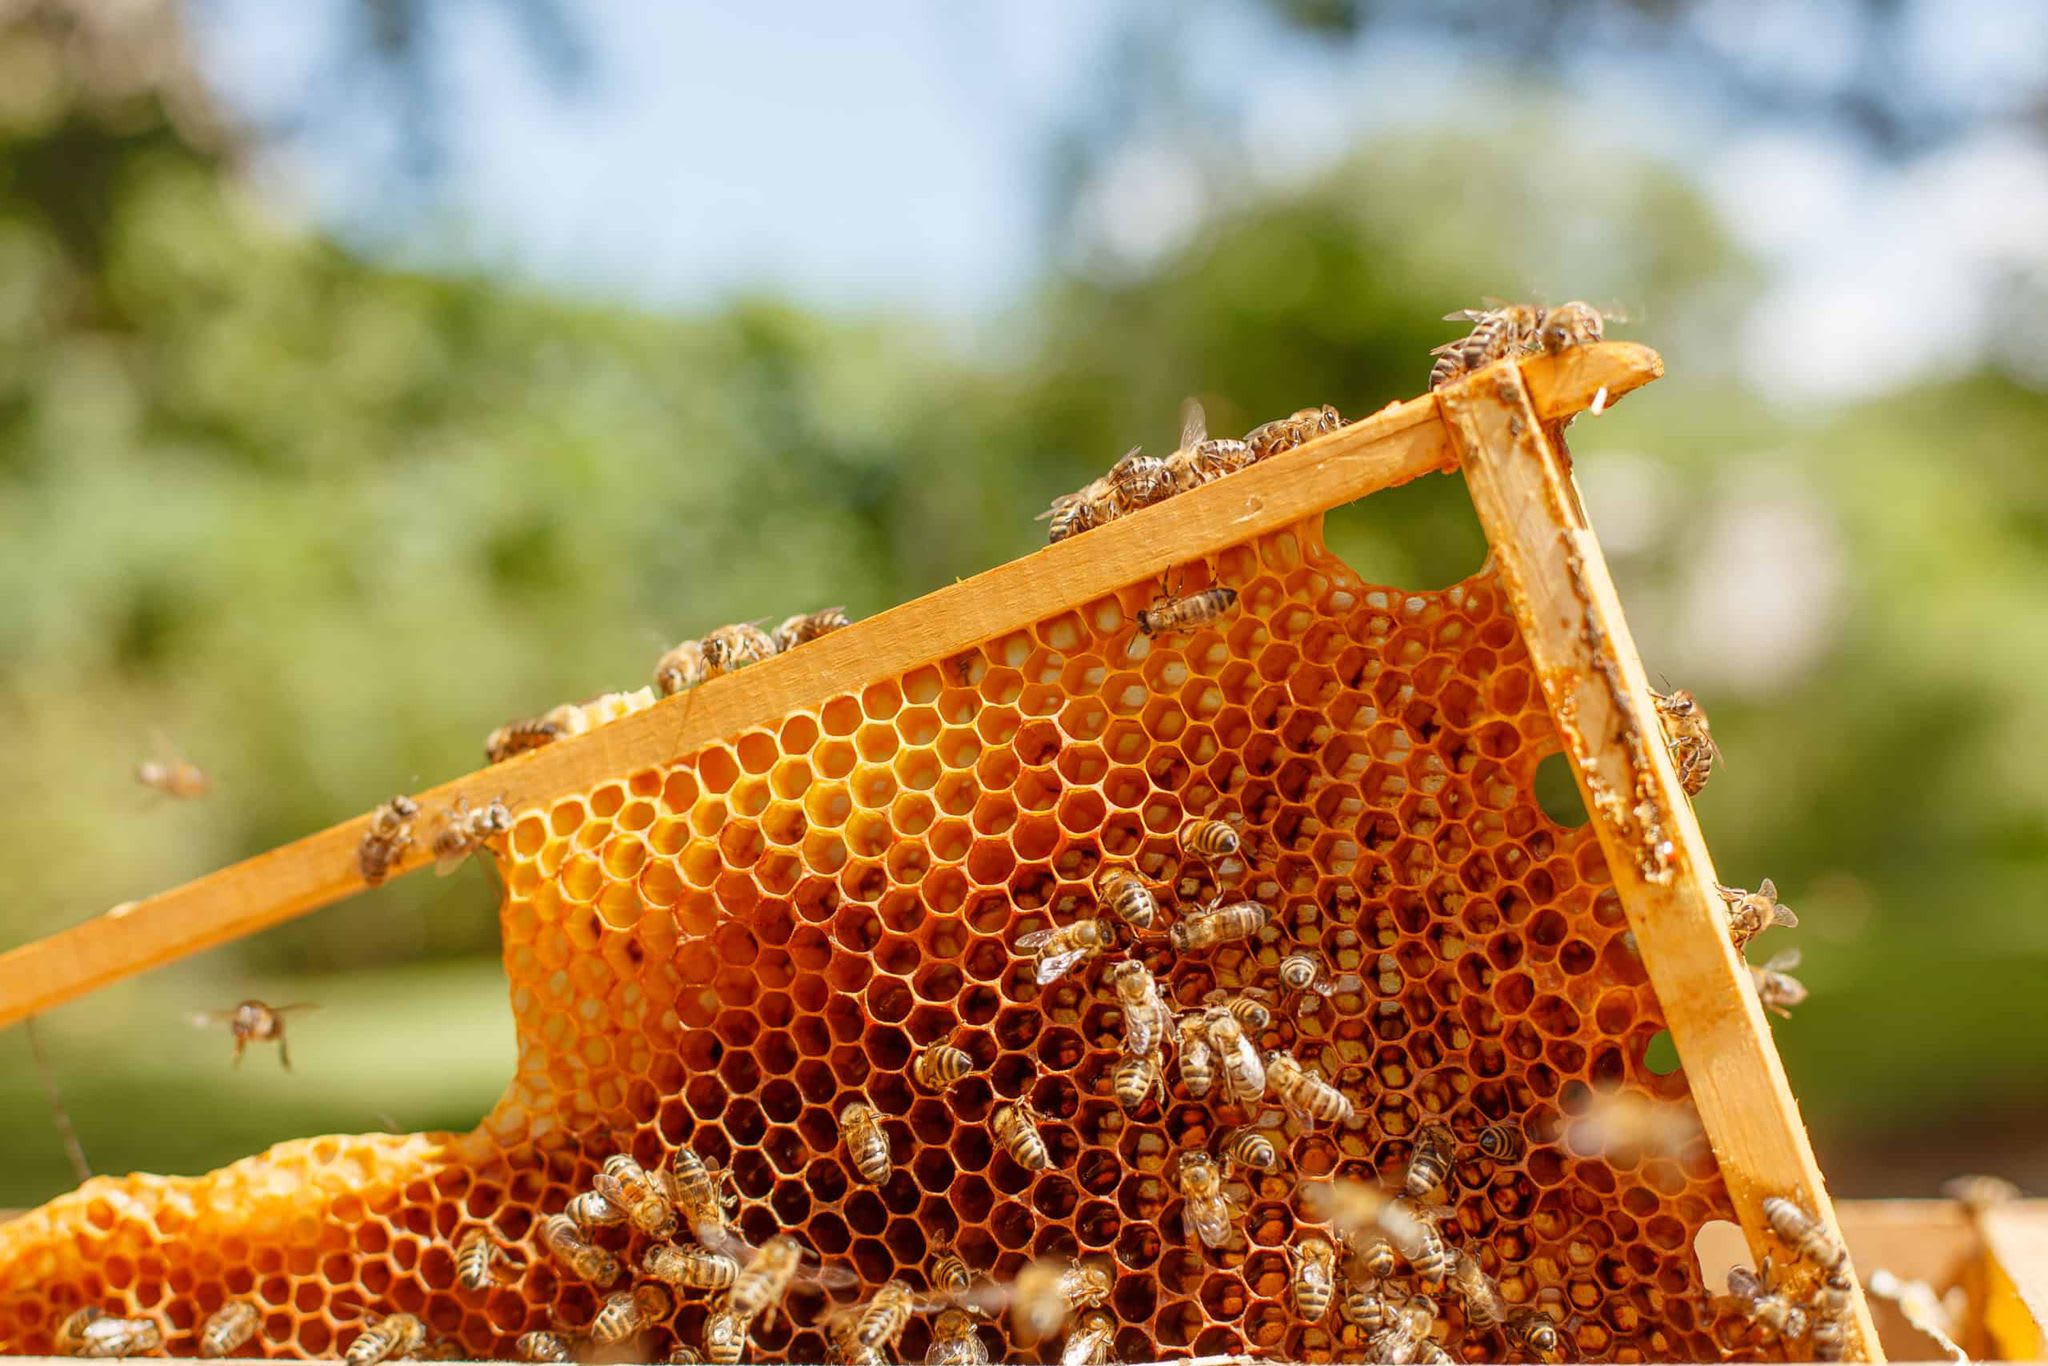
[827, 1277]
[295, 1005]
[1464, 315]
[447, 865]
[1194, 424]
[1034, 939]
[1784, 962]
[726, 1241]
[210, 1019]
[1052, 968]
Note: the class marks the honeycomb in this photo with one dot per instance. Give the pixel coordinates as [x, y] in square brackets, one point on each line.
[724, 951]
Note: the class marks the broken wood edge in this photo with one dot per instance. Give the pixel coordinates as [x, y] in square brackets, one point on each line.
[1572, 624]
[1399, 443]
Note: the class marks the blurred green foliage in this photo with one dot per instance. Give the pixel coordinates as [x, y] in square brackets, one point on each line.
[322, 524]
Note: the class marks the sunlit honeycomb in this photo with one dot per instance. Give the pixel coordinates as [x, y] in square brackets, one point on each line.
[723, 951]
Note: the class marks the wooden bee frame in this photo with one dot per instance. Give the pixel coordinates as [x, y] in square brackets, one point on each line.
[1500, 426]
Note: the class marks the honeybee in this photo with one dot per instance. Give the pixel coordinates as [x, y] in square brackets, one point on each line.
[1208, 1212]
[804, 628]
[851, 1353]
[467, 828]
[1209, 840]
[1138, 481]
[1762, 1302]
[1348, 1206]
[1831, 1316]
[1074, 513]
[1805, 1234]
[956, 1341]
[690, 1268]
[1501, 1142]
[592, 1211]
[389, 1337]
[683, 1355]
[1535, 1331]
[1498, 332]
[1249, 1012]
[1284, 434]
[734, 647]
[1201, 458]
[1314, 1280]
[1171, 615]
[1244, 1076]
[1368, 1255]
[1751, 913]
[1917, 1304]
[517, 737]
[704, 1206]
[1197, 1059]
[1616, 1120]
[866, 1142]
[725, 1336]
[481, 1261]
[1688, 737]
[1218, 924]
[627, 1312]
[1484, 1307]
[683, 667]
[1776, 988]
[566, 1243]
[1977, 1193]
[1147, 1021]
[1304, 1093]
[174, 777]
[1252, 1149]
[1125, 893]
[92, 1332]
[940, 1065]
[386, 839]
[767, 1277]
[949, 1274]
[228, 1327]
[543, 1345]
[1301, 972]
[1090, 1342]
[646, 1197]
[1572, 324]
[1401, 1341]
[1058, 949]
[1429, 1166]
[1136, 1076]
[1016, 1128]
[254, 1022]
[1047, 1292]
[1365, 1304]
[1413, 1229]
[880, 1321]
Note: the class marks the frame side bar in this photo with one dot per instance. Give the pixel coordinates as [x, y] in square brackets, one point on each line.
[1571, 620]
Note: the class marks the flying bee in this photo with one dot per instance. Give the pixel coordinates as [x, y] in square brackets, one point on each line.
[1136, 1076]
[1173, 615]
[1124, 892]
[1061, 947]
[1210, 840]
[1573, 324]
[543, 1345]
[736, 646]
[1304, 1093]
[867, 1142]
[1498, 332]
[767, 1277]
[702, 1202]
[1831, 1316]
[1047, 1292]
[1244, 1076]
[725, 1336]
[1139, 481]
[1501, 1142]
[592, 1211]
[1365, 1304]
[1251, 1149]
[1805, 1234]
[254, 1022]
[1350, 1207]
[1484, 1308]
[689, 1268]
[683, 667]
[1218, 924]
[1429, 1166]
[466, 830]
[1751, 913]
[801, 630]
[1313, 1282]
[92, 1332]
[1416, 1236]
[386, 839]
[1763, 1304]
[1977, 1193]
[1016, 1128]
[1776, 988]
[1918, 1305]
[1284, 434]
[956, 1341]
[646, 1197]
[880, 1321]
[1090, 1342]
[1534, 1330]
[174, 777]
[1301, 972]
[1147, 1021]
[1688, 737]
[228, 1327]
[1401, 1341]
[585, 1260]
[627, 1312]
[940, 1065]
[481, 1261]
[390, 1337]
[1197, 1058]
[949, 1274]
[1208, 1212]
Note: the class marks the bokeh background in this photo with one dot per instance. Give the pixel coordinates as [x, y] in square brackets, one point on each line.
[374, 371]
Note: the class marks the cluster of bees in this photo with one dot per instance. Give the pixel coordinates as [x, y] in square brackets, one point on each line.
[1823, 1318]
[1139, 480]
[464, 829]
[92, 1332]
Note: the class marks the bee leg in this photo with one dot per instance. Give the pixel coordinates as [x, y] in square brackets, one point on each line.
[284, 1053]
